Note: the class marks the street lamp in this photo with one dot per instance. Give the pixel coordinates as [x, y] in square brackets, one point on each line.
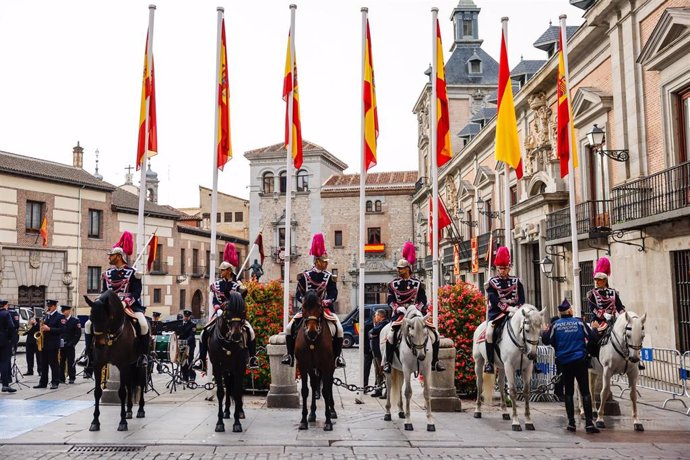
[446, 277]
[596, 138]
[491, 214]
[546, 265]
[470, 223]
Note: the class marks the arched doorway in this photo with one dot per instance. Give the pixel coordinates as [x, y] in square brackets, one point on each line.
[196, 303]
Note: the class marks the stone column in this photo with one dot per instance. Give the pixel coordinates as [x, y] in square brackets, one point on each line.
[110, 392]
[442, 384]
[283, 390]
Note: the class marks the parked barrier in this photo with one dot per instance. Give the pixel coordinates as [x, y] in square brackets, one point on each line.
[543, 375]
[684, 376]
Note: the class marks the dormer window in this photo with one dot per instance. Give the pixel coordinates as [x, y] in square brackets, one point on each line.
[475, 66]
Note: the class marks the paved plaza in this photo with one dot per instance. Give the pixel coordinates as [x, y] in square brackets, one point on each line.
[49, 424]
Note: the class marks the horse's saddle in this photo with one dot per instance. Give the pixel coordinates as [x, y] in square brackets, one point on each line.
[330, 321]
[498, 331]
[133, 319]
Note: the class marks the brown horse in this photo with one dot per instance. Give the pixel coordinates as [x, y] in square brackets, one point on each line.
[227, 349]
[114, 342]
[315, 359]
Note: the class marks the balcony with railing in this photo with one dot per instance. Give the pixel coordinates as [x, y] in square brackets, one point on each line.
[159, 268]
[659, 196]
[278, 254]
[592, 218]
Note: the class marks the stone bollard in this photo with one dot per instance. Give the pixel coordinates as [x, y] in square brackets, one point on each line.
[110, 392]
[283, 391]
[442, 384]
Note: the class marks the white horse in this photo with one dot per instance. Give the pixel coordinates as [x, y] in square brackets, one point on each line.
[620, 355]
[415, 345]
[515, 350]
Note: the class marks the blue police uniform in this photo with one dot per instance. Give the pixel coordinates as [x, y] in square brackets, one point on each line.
[51, 345]
[7, 331]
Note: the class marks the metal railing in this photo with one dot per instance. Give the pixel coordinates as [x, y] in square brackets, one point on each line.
[684, 376]
[543, 374]
[667, 190]
[591, 217]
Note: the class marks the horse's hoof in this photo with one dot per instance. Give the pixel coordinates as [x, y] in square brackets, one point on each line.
[600, 424]
[431, 427]
[387, 418]
[311, 418]
[529, 426]
[408, 427]
[242, 416]
[95, 427]
[128, 415]
[303, 426]
[226, 414]
[328, 427]
[141, 414]
[401, 414]
[506, 416]
[122, 427]
[334, 414]
[477, 415]
[237, 428]
[639, 427]
[517, 428]
[220, 428]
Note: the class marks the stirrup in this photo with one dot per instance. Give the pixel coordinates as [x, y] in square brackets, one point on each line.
[288, 360]
[339, 362]
[437, 366]
[387, 368]
[253, 363]
[488, 368]
[641, 366]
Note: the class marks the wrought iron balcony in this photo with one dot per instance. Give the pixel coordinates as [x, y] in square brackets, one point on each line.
[659, 193]
[278, 254]
[592, 217]
[159, 268]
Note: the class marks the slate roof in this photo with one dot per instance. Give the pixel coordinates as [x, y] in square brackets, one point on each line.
[457, 72]
[485, 114]
[492, 98]
[124, 201]
[306, 146]
[470, 129]
[551, 35]
[50, 171]
[527, 67]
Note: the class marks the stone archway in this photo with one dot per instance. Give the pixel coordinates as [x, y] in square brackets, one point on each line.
[197, 298]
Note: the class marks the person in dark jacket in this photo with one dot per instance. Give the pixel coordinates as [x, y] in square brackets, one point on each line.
[7, 331]
[52, 325]
[70, 338]
[380, 321]
[186, 333]
[568, 336]
[31, 350]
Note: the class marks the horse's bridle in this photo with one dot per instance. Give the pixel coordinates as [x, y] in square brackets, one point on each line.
[626, 345]
[111, 338]
[525, 340]
[415, 347]
[234, 320]
[307, 320]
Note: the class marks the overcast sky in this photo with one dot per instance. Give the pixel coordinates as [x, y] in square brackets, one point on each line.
[71, 71]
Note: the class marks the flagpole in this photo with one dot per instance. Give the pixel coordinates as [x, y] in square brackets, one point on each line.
[142, 178]
[288, 175]
[506, 180]
[434, 169]
[214, 193]
[577, 307]
[362, 195]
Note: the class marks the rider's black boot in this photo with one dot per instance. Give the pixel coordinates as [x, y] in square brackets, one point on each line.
[435, 363]
[570, 412]
[203, 352]
[390, 350]
[289, 357]
[590, 427]
[143, 345]
[251, 347]
[489, 366]
[337, 350]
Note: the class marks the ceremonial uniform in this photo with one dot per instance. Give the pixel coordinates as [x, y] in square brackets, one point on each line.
[7, 330]
[51, 346]
[186, 332]
[70, 339]
[604, 304]
[31, 350]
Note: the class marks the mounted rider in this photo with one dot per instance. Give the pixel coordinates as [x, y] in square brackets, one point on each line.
[506, 294]
[226, 283]
[126, 283]
[323, 282]
[404, 292]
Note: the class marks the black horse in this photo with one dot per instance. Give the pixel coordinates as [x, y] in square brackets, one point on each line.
[114, 342]
[227, 350]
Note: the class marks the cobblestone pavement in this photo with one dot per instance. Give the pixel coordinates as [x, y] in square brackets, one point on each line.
[44, 424]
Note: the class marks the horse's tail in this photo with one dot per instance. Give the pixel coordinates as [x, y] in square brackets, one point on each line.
[488, 385]
[396, 386]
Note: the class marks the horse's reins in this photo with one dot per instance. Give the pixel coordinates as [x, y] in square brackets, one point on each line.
[413, 346]
[111, 338]
[317, 319]
[525, 340]
[625, 344]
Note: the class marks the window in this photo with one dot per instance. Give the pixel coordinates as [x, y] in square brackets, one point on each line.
[281, 237]
[338, 238]
[157, 295]
[467, 27]
[183, 261]
[206, 215]
[684, 126]
[157, 264]
[95, 221]
[239, 216]
[302, 181]
[34, 216]
[377, 206]
[334, 272]
[513, 195]
[374, 235]
[208, 263]
[475, 66]
[195, 262]
[218, 217]
[283, 182]
[227, 216]
[93, 281]
[370, 206]
[183, 298]
[267, 183]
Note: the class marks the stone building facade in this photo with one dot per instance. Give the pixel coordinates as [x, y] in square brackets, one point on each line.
[233, 213]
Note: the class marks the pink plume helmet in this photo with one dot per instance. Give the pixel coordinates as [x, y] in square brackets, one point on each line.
[409, 253]
[318, 247]
[125, 242]
[603, 267]
[230, 254]
[502, 257]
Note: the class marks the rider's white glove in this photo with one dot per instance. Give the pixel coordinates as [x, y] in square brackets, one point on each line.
[512, 309]
[608, 316]
[400, 309]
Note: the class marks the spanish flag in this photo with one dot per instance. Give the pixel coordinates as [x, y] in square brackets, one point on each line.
[44, 230]
[371, 117]
[444, 152]
[152, 251]
[565, 125]
[290, 86]
[148, 93]
[224, 144]
[507, 143]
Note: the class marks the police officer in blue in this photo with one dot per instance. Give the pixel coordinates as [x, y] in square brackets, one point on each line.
[70, 338]
[7, 331]
[52, 326]
[569, 336]
[187, 332]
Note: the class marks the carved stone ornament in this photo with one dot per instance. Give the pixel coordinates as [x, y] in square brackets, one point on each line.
[540, 142]
[451, 195]
[34, 259]
[67, 278]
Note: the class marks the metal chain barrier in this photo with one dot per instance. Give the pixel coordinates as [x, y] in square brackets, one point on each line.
[352, 387]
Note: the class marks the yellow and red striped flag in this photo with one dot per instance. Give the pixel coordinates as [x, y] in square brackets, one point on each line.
[566, 132]
[290, 85]
[507, 142]
[371, 117]
[224, 144]
[44, 229]
[148, 92]
[444, 152]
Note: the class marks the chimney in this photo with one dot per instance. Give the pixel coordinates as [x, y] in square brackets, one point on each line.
[78, 156]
